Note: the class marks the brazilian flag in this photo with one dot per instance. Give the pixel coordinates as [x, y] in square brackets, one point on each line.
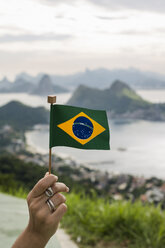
[78, 127]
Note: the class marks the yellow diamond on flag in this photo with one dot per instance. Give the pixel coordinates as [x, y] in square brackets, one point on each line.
[82, 128]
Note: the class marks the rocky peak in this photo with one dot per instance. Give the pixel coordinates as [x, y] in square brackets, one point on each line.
[118, 85]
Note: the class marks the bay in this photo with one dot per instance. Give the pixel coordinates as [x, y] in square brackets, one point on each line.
[32, 100]
[155, 96]
[137, 147]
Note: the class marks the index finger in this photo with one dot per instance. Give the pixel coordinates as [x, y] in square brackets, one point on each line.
[43, 184]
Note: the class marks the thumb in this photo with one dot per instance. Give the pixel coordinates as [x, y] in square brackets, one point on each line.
[46, 174]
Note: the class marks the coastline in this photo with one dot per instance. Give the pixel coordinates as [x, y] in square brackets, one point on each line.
[117, 186]
[132, 150]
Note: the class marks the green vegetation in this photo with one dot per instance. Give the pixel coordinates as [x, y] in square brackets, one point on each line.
[92, 220]
[130, 94]
[99, 223]
[22, 117]
[8, 137]
[95, 222]
[16, 174]
[119, 98]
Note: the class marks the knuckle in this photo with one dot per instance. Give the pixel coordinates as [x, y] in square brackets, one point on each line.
[55, 188]
[64, 207]
[33, 207]
[42, 185]
[60, 187]
[57, 195]
[40, 217]
[60, 197]
[63, 198]
[63, 185]
[28, 199]
[52, 179]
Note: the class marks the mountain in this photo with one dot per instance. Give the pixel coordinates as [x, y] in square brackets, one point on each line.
[119, 100]
[21, 116]
[102, 78]
[5, 83]
[46, 87]
[20, 86]
[27, 77]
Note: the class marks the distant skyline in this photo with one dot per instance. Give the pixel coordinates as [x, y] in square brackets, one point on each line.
[67, 36]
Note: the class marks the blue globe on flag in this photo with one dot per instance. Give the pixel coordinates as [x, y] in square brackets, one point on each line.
[82, 128]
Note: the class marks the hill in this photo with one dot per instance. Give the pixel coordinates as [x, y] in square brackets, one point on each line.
[135, 78]
[4, 83]
[99, 220]
[22, 117]
[20, 86]
[46, 87]
[119, 100]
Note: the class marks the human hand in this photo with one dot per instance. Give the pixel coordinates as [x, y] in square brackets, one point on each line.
[43, 223]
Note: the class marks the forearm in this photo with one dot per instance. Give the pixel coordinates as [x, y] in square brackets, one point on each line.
[43, 220]
[28, 239]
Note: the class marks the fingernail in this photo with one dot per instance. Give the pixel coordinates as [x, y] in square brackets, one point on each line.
[67, 189]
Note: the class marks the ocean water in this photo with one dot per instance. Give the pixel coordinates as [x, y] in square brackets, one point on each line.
[32, 100]
[137, 147]
[155, 96]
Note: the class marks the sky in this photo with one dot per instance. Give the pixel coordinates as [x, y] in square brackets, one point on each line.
[68, 36]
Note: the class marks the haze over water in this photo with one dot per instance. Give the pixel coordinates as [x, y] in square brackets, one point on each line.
[137, 147]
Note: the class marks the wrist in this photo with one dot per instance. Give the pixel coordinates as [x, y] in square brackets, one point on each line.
[35, 238]
[30, 239]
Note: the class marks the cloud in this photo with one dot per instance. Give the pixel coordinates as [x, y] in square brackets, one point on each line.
[63, 17]
[11, 28]
[160, 30]
[59, 16]
[56, 2]
[135, 32]
[112, 18]
[154, 31]
[129, 32]
[150, 5]
[32, 37]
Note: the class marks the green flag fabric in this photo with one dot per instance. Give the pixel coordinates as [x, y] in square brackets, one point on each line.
[78, 127]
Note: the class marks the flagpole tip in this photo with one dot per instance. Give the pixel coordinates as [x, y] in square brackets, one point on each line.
[51, 99]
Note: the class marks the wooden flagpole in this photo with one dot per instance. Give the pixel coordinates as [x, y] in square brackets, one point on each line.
[51, 100]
